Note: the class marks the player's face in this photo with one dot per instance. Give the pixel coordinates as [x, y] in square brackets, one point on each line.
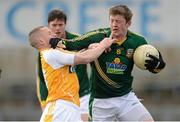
[47, 34]
[58, 27]
[118, 26]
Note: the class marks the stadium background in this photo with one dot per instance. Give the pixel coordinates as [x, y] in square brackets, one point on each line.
[157, 20]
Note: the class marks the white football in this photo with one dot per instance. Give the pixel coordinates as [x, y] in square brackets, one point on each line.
[141, 54]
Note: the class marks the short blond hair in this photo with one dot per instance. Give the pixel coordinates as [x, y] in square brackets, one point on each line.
[32, 36]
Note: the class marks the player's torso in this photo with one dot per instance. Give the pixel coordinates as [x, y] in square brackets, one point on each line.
[62, 83]
[81, 71]
[111, 73]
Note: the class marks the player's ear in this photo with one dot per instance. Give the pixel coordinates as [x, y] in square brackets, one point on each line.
[128, 24]
[41, 41]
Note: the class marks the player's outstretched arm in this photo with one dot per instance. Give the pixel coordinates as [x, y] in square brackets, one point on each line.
[80, 42]
[91, 54]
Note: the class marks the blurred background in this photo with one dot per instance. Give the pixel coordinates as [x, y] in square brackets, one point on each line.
[157, 20]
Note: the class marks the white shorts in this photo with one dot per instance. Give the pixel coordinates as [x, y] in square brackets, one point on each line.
[125, 108]
[61, 110]
[84, 104]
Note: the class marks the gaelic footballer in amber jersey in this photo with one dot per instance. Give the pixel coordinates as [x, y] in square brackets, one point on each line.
[61, 82]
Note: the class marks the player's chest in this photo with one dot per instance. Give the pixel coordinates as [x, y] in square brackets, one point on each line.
[117, 54]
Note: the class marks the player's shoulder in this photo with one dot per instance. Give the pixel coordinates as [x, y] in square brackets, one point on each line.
[101, 30]
[105, 31]
[52, 51]
[136, 36]
[136, 39]
[47, 55]
[74, 34]
[56, 58]
[50, 55]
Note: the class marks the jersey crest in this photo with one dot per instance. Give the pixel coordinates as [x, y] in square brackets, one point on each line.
[129, 53]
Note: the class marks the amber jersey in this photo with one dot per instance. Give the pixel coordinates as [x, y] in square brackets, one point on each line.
[81, 71]
[60, 78]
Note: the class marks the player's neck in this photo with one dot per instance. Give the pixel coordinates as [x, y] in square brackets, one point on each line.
[120, 36]
[63, 35]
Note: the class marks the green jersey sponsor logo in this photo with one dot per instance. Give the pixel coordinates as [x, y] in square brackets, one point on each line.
[115, 67]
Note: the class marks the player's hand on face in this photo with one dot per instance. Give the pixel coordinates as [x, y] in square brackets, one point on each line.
[53, 42]
[154, 62]
[56, 42]
[107, 42]
[109, 48]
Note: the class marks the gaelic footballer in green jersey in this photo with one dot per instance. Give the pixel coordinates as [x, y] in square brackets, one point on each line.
[111, 77]
[111, 72]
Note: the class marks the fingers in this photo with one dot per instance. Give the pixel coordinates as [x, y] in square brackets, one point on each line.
[107, 50]
[153, 57]
[114, 40]
[160, 56]
[111, 36]
[61, 46]
[148, 61]
[106, 42]
[148, 66]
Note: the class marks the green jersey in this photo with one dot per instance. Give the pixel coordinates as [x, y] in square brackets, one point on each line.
[84, 83]
[81, 71]
[111, 72]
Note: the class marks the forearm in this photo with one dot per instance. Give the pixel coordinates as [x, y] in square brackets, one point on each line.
[89, 55]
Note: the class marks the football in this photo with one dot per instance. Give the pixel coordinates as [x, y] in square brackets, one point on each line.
[141, 54]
